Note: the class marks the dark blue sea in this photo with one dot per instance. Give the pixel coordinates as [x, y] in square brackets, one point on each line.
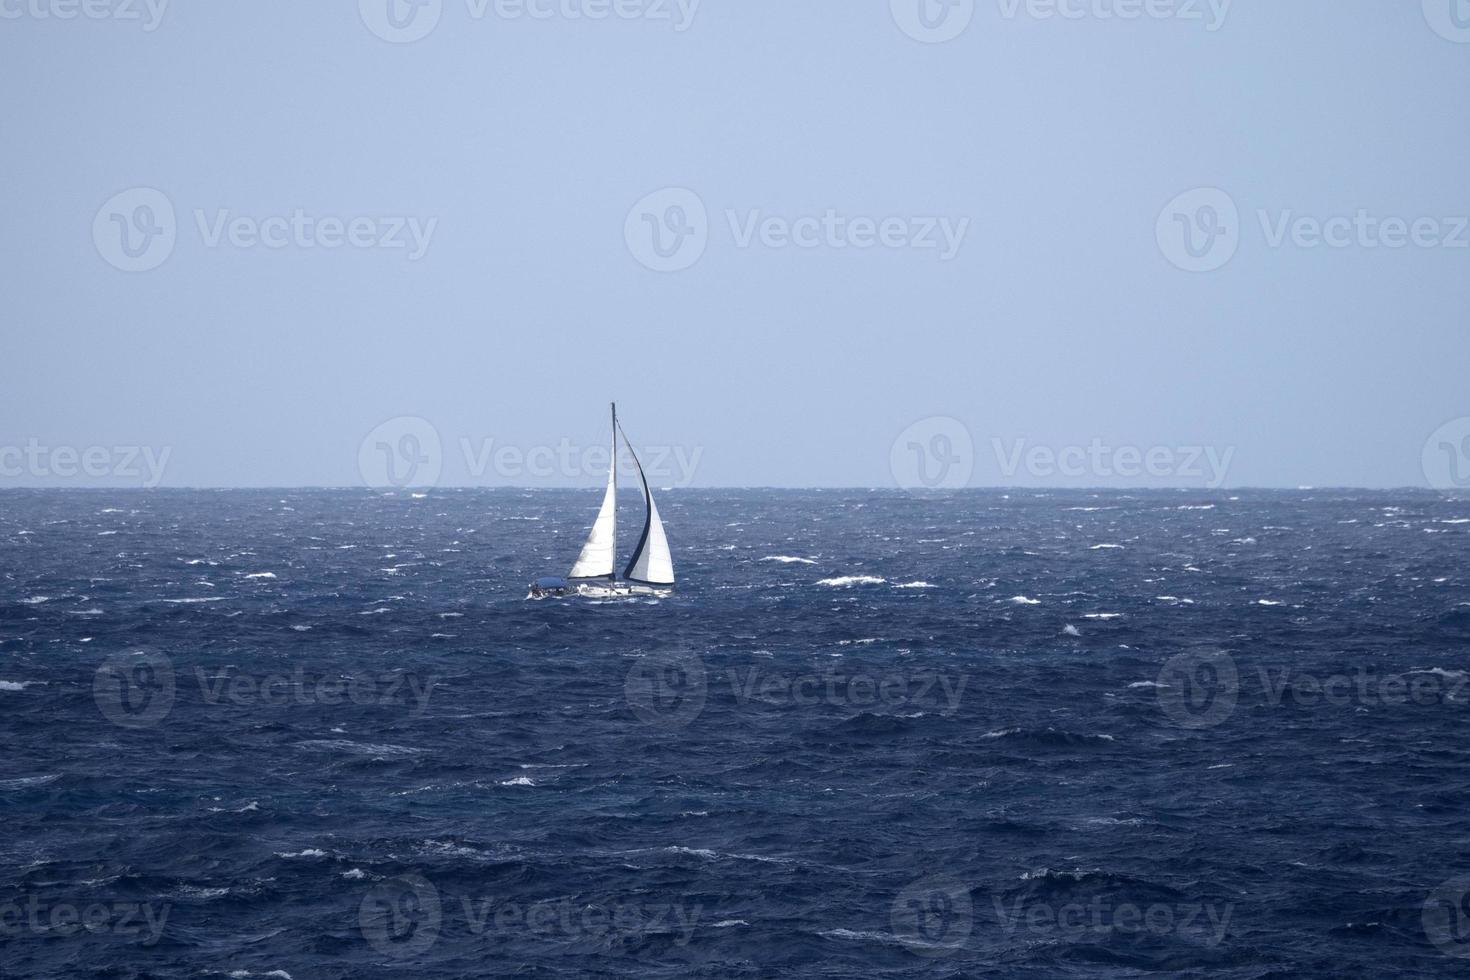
[322, 734]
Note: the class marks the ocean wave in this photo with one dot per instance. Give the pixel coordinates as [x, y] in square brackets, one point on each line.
[1049, 737]
[355, 748]
[788, 560]
[849, 580]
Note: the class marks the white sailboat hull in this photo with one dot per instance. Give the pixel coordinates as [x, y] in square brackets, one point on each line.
[600, 590]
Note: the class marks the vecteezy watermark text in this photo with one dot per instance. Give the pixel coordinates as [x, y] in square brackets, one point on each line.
[403, 917]
[669, 465]
[672, 690]
[938, 21]
[1205, 922]
[1098, 459]
[34, 460]
[148, 13]
[669, 231]
[935, 917]
[858, 689]
[35, 916]
[1201, 230]
[406, 21]
[387, 688]
[139, 688]
[1201, 689]
[136, 230]
[408, 452]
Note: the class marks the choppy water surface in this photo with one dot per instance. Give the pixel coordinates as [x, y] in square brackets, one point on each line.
[321, 734]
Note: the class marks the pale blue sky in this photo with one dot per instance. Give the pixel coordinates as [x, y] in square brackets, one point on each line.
[1059, 319]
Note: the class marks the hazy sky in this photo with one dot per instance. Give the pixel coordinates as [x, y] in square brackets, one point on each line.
[779, 233]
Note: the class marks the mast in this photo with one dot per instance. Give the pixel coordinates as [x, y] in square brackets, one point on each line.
[612, 482]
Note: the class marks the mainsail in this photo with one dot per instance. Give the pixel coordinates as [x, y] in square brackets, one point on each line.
[599, 554]
[651, 563]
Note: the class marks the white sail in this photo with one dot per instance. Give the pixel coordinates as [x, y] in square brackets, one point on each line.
[651, 562]
[599, 554]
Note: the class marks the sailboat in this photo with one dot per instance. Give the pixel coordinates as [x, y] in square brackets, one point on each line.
[650, 571]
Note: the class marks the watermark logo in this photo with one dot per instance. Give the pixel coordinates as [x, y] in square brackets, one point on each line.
[1450, 19]
[935, 453]
[667, 690]
[933, 917]
[1446, 456]
[932, 21]
[401, 917]
[135, 230]
[668, 230]
[406, 21]
[1446, 917]
[135, 689]
[401, 21]
[1199, 231]
[1199, 689]
[402, 453]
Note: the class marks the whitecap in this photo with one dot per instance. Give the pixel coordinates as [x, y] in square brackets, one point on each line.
[1146, 684]
[914, 585]
[1269, 602]
[17, 685]
[1106, 547]
[786, 559]
[1451, 675]
[847, 580]
[261, 575]
[519, 781]
[1102, 615]
[1072, 630]
[1021, 600]
[881, 937]
[310, 852]
[355, 748]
